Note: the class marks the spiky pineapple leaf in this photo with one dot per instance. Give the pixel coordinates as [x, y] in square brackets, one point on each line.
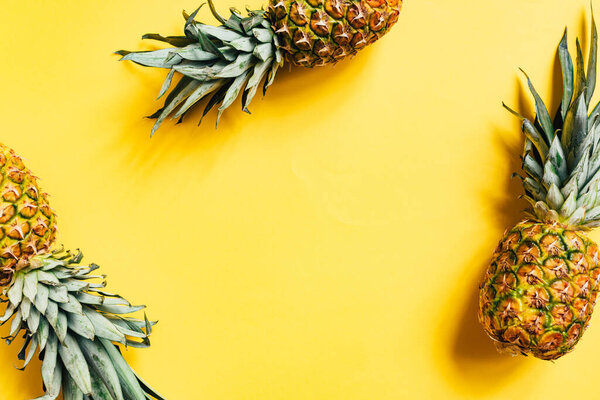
[221, 62]
[592, 60]
[76, 327]
[561, 159]
[575, 130]
[541, 112]
[567, 75]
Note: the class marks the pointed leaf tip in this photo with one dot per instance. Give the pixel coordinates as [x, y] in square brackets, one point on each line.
[592, 63]
[215, 13]
[566, 66]
[541, 111]
[191, 17]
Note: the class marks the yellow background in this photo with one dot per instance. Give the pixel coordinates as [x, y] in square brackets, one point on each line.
[329, 245]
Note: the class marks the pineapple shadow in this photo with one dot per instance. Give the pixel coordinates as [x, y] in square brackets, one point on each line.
[292, 86]
[473, 352]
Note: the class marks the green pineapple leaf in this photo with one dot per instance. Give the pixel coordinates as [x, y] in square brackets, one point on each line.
[76, 327]
[567, 75]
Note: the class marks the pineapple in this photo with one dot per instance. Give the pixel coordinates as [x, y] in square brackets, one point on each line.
[59, 307]
[319, 32]
[235, 57]
[28, 222]
[539, 292]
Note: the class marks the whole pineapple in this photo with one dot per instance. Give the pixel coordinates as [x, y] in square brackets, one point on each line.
[58, 306]
[222, 62]
[27, 221]
[539, 292]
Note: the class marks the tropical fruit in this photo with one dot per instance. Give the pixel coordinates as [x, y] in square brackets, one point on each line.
[27, 221]
[539, 292]
[319, 32]
[223, 61]
[58, 306]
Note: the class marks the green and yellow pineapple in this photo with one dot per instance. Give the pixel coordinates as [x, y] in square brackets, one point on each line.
[58, 306]
[539, 292]
[223, 61]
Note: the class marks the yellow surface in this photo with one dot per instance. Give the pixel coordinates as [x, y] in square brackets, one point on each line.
[329, 245]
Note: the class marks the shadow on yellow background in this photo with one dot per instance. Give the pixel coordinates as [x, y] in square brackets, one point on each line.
[294, 88]
[473, 356]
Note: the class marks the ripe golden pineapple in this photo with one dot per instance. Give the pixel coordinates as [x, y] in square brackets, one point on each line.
[221, 62]
[539, 292]
[28, 222]
[540, 289]
[59, 306]
[318, 32]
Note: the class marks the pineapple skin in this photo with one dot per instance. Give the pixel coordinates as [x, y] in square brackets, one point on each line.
[27, 223]
[540, 289]
[319, 32]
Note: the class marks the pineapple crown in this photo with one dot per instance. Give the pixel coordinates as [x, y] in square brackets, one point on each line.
[75, 325]
[219, 62]
[561, 157]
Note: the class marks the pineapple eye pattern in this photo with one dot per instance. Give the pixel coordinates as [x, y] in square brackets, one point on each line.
[532, 295]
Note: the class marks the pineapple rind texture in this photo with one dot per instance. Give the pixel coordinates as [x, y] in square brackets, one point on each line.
[76, 327]
[539, 292]
[28, 224]
[320, 32]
